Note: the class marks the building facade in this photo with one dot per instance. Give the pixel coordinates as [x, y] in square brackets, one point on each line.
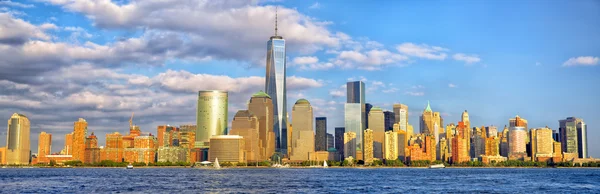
[368, 148]
[350, 145]
[516, 142]
[339, 140]
[391, 145]
[18, 140]
[227, 148]
[275, 86]
[401, 116]
[426, 121]
[355, 112]
[321, 134]
[246, 124]
[211, 117]
[377, 125]
[330, 141]
[44, 145]
[261, 105]
[303, 141]
[79, 134]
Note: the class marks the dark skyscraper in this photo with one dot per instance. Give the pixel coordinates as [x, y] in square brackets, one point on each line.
[339, 139]
[368, 107]
[355, 116]
[321, 134]
[390, 119]
[330, 142]
[276, 88]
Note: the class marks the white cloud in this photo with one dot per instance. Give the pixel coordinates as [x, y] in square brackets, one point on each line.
[450, 85]
[337, 93]
[466, 58]
[315, 5]
[390, 90]
[305, 60]
[15, 4]
[422, 51]
[414, 93]
[15, 31]
[370, 60]
[581, 61]
[417, 87]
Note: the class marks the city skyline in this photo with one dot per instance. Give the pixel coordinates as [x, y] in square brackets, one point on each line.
[105, 84]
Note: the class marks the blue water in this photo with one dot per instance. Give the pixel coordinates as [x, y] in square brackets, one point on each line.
[332, 180]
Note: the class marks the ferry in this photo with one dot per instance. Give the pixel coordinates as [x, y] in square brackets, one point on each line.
[129, 166]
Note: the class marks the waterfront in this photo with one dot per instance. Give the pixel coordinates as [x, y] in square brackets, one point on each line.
[333, 180]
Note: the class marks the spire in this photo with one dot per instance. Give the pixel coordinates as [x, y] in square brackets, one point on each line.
[275, 21]
[428, 109]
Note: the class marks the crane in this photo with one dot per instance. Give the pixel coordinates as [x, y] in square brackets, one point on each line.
[131, 120]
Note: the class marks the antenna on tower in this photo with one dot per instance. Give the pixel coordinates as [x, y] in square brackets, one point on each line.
[275, 21]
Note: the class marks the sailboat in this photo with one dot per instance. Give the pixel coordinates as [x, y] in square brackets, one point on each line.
[325, 164]
[216, 164]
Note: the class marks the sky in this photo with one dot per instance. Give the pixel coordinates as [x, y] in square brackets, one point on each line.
[102, 60]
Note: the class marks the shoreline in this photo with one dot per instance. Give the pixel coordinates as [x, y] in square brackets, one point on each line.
[307, 167]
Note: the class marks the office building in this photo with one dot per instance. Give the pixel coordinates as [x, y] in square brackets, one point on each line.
[492, 146]
[339, 140]
[44, 145]
[569, 135]
[391, 145]
[368, 108]
[401, 116]
[355, 112]
[350, 145]
[68, 149]
[275, 85]
[467, 124]
[582, 145]
[17, 140]
[377, 125]
[516, 143]
[303, 136]
[211, 117]
[261, 105]
[172, 154]
[227, 148]
[390, 120]
[92, 151]
[143, 150]
[368, 146]
[427, 121]
[402, 143]
[114, 148]
[246, 124]
[330, 141]
[79, 133]
[492, 131]
[542, 143]
[504, 142]
[460, 149]
[321, 134]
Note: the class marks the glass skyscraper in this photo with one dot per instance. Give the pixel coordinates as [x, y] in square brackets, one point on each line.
[211, 117]
[276, 88]
[355, 111]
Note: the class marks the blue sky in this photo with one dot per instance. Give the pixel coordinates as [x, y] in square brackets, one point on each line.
[102, 60]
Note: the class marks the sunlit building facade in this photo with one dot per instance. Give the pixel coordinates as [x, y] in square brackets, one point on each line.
[350, 145]
[275, 86]
[79, 134]
[245, 124]
[368, 148]
[516, 142]
[17, 140]
[227, 148]
[391, 145]
[211, 117]
[401, 115]
[303, 136]
[261, 105]
[377, 125]
[355, 112]
[44, 145]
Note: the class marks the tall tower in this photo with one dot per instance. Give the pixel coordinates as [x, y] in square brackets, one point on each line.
[355, 113]
[44, 144]
[79, 133]
[427, 121]
[261, 105]
[321, 134]
[401, 114]
[275, 85]
[303, 136]
[17, 140]
[573, 136]
[377, 125]
[211, 117]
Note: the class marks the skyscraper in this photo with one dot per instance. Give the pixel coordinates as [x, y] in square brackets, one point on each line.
[330, 141]
[79, 133]
[355, 113]
[92, 152]
[275, 85]
[390, 120]
[391, 145]
[211, 117]
[573, 136]
[368, 148]
[516, 142]
[339, 140]
[368, 108]
[17, 140]
[377, 125]
[401, 115]
[321, 134]
[44, 145]
[467, 123]
[460, 151]
[68, 149]
[246, 124]
[542, 143]
[303, 136]
[261, 105]
[427, 121]
[350, 145]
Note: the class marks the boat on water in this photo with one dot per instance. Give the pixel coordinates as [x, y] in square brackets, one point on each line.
[216, 164]
[437, 166]
[129, 166]
[325, 164]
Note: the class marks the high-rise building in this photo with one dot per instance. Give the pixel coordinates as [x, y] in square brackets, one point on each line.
[402, 143]
[227, 148]
[568, 134]
[261, 105]
[368, 108]
[368, 148]
[350, 145]
[17, 140]
[517, 122]
[321, 134]
[467, 123]
[492, 131]
[275, 85]
[303, 136]
[582, 145]
[504, 142]
[79, 133]
[377, 125]
[391, 145]
[355, 112]
[246, 124]
[492, 146]
[460, 149]
[143, 150]
[114, 148]
[438, 126]
[68, 149]
[211, 117]
[516, 142]
[401, 115]
[542, 143]
[390, 119]
[442, 152]
[339, 140]
[426, 121]
[92, 152]
[160, 135]
[330, 141]
[44, 145]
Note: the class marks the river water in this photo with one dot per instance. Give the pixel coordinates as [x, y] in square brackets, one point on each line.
[332, 180]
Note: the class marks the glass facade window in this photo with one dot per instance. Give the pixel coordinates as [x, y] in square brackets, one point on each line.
[275, 87]
[354, 121]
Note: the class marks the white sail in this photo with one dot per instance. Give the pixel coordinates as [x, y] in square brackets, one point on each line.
[216, 164]
[325, 164]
